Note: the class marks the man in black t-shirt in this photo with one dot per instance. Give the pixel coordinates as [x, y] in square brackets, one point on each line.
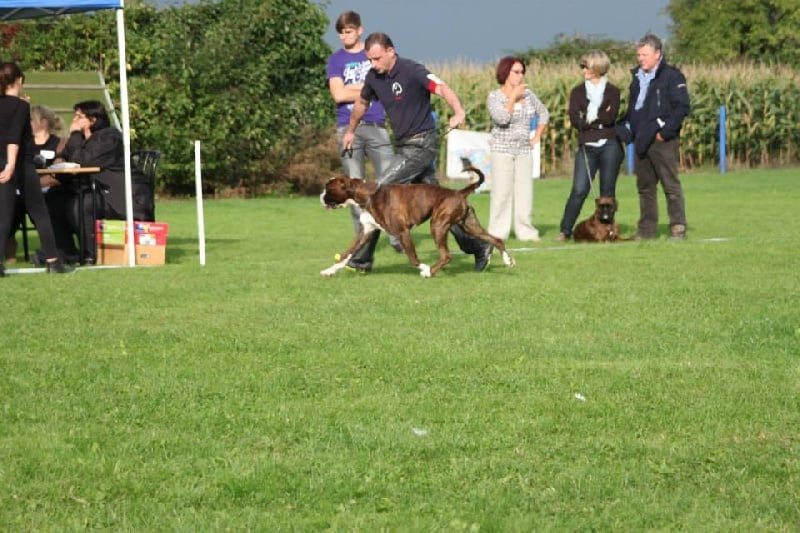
[404, 87]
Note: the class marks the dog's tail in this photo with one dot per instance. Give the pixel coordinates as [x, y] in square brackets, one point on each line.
[469, 167]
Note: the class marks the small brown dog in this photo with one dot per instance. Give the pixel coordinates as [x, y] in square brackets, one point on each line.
[601, 226]
[398, 208]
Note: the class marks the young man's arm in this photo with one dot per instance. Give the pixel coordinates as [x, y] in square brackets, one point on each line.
[358, 112]
[344, 94]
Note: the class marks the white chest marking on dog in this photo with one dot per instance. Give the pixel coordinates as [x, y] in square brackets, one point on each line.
[368, 222]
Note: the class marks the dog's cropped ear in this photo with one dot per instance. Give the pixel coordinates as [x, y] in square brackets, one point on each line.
[466, 164]
[349, 185]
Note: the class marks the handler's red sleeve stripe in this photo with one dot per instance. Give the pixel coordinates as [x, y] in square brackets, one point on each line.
[432, 85]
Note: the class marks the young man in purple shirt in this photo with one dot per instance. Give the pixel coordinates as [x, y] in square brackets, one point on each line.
[347, 68]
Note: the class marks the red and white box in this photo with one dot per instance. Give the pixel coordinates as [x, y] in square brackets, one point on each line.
[150, 239]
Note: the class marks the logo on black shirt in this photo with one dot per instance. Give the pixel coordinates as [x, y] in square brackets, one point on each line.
[397, 89]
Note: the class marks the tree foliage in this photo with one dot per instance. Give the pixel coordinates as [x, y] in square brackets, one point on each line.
[246, 78]
[735, 30]
[565, 48]
[76, 42]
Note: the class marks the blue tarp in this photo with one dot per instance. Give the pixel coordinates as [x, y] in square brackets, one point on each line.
[21, 9]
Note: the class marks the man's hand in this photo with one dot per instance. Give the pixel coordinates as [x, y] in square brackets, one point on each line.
[457, 119]
[347, 141]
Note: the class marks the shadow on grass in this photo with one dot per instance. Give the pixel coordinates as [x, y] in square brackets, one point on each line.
[180, 247]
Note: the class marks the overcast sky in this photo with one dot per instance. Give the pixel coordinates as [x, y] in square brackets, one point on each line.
[485, 30]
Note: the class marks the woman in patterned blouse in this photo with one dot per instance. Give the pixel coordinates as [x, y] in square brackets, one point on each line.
[513, 108]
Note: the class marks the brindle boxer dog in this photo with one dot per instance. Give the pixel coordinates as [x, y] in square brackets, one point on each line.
[398, 208]
[601, 226]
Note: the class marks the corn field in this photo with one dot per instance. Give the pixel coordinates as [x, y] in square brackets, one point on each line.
[762, 102]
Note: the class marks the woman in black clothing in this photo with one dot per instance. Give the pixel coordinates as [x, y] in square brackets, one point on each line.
[94, 143]
[17, 169]
[593, 107]
[59, 192]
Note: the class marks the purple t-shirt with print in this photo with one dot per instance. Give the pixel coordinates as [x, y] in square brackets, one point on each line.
[352, 68]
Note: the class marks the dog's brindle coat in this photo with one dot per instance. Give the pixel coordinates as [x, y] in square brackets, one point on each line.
[398, 208]
[600, 227]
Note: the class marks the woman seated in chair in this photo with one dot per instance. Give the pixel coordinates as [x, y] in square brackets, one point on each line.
[93, 142]
[58, 196]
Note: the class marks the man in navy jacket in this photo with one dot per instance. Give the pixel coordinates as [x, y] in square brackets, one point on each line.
[658, 104]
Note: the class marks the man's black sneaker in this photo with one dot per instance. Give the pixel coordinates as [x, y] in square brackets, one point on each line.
[359, 268]
[483, 258]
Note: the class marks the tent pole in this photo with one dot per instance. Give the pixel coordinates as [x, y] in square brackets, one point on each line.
[126, 137]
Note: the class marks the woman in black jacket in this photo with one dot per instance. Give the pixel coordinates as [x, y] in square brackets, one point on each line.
[593, 108]
[94, 143]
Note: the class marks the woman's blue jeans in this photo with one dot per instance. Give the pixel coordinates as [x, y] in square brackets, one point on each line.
[607, 160]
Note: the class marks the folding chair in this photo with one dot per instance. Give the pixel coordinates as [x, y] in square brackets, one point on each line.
[144, 163]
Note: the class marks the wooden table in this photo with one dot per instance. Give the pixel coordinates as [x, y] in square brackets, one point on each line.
[78, 172]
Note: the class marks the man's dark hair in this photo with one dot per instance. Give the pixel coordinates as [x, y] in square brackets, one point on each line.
[652, 41]
[378, 38]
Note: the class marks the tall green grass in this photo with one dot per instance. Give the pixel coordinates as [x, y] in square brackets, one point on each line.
[594, 387]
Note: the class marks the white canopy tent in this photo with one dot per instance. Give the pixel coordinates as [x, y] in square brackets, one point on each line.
[19, 9]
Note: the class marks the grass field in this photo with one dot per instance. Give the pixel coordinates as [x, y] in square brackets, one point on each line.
[629, 387]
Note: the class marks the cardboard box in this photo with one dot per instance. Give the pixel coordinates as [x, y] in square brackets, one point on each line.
[112, 242]
[113, 254]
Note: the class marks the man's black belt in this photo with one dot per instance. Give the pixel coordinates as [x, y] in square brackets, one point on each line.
[376, 124]
[417, 135]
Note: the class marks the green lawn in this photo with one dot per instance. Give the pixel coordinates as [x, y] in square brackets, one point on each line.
[628, 387]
